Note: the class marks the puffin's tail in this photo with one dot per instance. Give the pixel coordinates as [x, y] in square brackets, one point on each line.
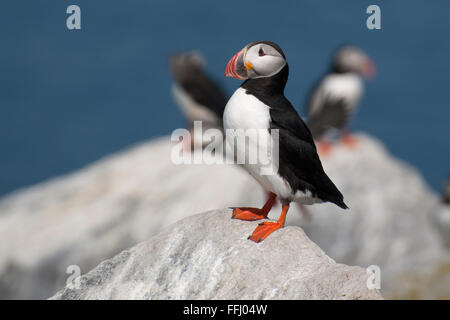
[332, 194]
[340, 203]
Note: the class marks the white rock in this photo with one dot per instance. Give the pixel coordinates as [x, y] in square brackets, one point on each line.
[88, 216]
[91, 215]
[389, 221]
[208, 256]
[441, 220]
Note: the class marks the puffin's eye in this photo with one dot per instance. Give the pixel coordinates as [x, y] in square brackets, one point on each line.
[261, 52]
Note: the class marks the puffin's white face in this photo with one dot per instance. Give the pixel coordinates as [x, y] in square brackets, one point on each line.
[263, 60]
[256, 60]
[352, 59]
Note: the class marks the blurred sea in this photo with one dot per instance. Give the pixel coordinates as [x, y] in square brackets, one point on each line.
[68, 98]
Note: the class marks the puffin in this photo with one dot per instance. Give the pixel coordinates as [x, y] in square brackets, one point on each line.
[259, 104]
[441, 217]
[198, 96]
[332, 102]
[446, 192]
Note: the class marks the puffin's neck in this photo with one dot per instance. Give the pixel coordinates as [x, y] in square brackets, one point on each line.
[336, 69]
[269, 85]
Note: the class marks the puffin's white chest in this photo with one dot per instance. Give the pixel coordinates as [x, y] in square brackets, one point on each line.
[245, 111]
[344, 86]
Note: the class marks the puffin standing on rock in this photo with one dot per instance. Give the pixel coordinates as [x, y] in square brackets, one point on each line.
[336, 97]
[259, 103]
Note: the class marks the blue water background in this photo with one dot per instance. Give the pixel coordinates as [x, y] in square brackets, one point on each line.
[67, 98]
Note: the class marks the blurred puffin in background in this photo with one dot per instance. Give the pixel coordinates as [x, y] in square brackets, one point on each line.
[446, 193]
[441, 217]
[198, 96]
[259, 103]
[336, 97]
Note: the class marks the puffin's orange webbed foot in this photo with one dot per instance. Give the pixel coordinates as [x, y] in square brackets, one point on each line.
[187, 143]
[249, 214]
[324, 148]
[263, 230]
[252, 214]
[349, 141]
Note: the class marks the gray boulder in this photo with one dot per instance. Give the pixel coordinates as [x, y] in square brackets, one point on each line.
[93, 214]
[208, 256]
[389, 224]
[441, 220]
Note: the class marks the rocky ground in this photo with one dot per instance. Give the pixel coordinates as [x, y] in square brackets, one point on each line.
[208, 256]
[93, 214]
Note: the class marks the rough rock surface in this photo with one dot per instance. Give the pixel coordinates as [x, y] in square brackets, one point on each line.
[390, 221]
[441, 220]
[208, 256]
[95, 213]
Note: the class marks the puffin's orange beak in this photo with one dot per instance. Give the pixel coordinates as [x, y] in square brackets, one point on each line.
[236, 67]
[368, 69]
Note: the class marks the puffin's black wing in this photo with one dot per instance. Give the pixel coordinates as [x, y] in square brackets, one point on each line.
[191, 77]
[299, 162]
[205, 91]
[333, 113]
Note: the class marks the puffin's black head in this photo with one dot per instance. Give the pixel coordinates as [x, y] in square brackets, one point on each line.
[184, 64]
[352, 59]
[260, 59]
